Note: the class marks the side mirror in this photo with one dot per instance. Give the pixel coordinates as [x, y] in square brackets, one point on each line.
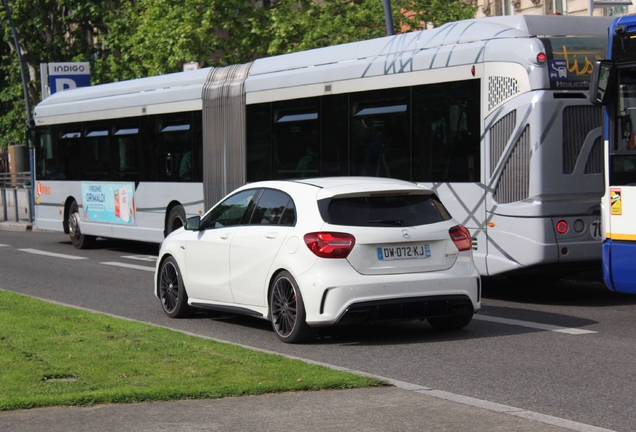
[601, 82]
[193, 223]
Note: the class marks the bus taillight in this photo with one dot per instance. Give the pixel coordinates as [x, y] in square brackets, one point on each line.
[562, 227]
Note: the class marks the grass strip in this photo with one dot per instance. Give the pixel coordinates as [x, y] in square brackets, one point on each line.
[57, 355]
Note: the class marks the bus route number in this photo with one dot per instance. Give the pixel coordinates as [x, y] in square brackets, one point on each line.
[595, 230]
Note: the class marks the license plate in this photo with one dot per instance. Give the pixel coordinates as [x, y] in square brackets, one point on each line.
[391, 253]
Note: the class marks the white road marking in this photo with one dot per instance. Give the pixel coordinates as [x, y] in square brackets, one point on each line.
[149, 258]
[132, 266]
[4, 245]
[506, 409]
[529, 324]
[57, 255]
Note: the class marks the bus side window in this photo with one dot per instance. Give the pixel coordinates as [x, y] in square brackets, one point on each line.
[126, 146]
[175, 142]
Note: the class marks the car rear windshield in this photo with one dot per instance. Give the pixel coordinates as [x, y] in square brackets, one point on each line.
[384, 210]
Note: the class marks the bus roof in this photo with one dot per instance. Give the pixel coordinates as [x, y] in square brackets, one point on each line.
[455, 33]
[184, 87]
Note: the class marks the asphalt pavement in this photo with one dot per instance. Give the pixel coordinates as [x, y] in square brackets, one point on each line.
[401, 407]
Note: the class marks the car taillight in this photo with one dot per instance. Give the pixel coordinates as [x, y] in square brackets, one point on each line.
[461, 237]
[330, 244]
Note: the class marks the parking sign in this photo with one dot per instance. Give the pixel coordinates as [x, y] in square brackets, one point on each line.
[67, 76]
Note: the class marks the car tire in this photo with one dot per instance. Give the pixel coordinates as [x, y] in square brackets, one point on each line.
[79, 240]
[172, 292]
[176, 219]
[450, 323]
[287, 310]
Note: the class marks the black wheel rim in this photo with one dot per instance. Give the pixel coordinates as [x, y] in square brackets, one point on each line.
[169, 287]
[284, 307]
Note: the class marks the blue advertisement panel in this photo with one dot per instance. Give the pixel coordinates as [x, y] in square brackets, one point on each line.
[109, 202]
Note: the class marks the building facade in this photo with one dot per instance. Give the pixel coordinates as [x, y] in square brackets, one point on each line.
[547, 7]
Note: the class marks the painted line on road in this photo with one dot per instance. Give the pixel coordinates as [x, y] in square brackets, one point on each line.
[4, 245]
[149, 258]
[57, 255]
[132, 266]
[510, 410]
[529, 324]
[415, 388]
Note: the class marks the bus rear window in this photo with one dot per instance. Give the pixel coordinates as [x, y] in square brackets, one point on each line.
[385, 210]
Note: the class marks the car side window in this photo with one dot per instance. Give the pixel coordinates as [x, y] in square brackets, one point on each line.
[289, 215]
[271, 208]
[232, 211]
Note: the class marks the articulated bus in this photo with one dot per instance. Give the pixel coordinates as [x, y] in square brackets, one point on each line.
[492, 113]
[614, 85]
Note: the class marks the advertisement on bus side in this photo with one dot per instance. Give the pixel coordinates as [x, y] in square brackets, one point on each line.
[109, 202]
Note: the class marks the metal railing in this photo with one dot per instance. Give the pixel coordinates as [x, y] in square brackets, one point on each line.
[16, 192]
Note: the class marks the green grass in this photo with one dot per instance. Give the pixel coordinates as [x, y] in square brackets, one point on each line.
[56, 355]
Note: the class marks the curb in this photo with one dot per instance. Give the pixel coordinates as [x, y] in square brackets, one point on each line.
[15, 226]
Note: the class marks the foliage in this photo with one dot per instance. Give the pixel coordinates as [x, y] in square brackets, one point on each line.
[436, 12]
[125, 39]
[49, 31]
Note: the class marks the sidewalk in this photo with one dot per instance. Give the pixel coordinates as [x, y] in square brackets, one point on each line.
[10, 224]
[373, 409]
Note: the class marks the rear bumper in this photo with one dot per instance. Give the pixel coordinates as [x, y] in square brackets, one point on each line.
[406, 309]
[337, 294]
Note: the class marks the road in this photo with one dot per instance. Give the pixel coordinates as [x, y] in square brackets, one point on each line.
[562, 349]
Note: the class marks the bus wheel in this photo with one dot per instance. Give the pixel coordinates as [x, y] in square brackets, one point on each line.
[79, 240]
[176, 219]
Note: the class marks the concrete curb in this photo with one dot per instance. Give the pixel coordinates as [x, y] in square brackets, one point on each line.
[15, 226]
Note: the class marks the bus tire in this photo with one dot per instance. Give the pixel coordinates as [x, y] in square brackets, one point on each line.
[176, 219]
[79, 240]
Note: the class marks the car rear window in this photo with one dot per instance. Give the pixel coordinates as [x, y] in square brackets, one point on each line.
[385, 210]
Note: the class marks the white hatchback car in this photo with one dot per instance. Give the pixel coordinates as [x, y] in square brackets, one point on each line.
[320, 252]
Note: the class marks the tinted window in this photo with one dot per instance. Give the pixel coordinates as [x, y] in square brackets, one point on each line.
[70, 152]
[386, 210]
[289, 215]
[422, 133]
[232, 211]
[270, 208]
[126, 162]
[97, 154]
[46, 155]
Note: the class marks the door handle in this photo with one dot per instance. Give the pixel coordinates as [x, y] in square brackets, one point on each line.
[224, 236]
[271, 235]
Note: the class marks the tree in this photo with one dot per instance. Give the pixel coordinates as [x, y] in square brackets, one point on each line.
[150, 37]
[298, 25]
[50, 31]
[436, 12]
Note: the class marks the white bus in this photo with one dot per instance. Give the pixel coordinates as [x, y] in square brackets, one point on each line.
[614, 86]
[491, 113]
